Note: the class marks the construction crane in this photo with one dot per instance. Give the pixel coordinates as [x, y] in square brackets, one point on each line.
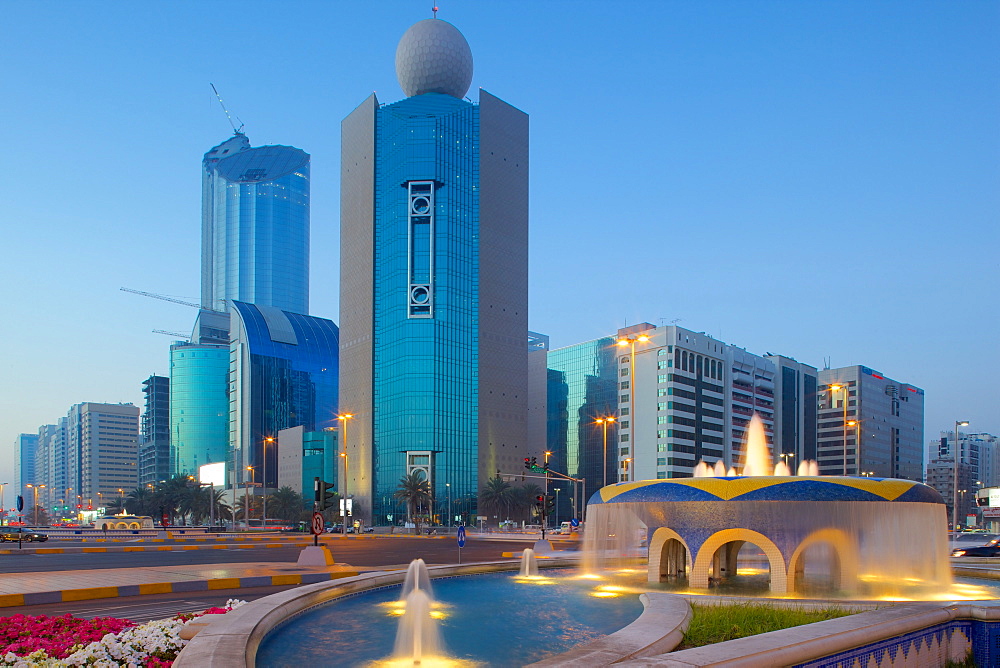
[237, 130]
[163, 297]
[177, 335]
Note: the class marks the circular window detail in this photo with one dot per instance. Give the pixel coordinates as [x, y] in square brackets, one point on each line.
[420, 205]
[419, 295]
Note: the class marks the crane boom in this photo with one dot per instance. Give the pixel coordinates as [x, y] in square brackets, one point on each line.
[222, 104]
[163, 297]
[179, 335]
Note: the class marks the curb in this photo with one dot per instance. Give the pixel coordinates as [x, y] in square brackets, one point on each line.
[67, 595]
[144, 548]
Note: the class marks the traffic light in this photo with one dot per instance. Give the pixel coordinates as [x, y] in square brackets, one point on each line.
[527, 463]
[550, 504]
[545, 466]
[324, 494]
[540, 503]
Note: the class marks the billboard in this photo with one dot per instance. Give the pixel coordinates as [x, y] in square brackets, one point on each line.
[213, 473]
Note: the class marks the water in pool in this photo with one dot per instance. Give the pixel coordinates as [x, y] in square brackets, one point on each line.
[498, 619]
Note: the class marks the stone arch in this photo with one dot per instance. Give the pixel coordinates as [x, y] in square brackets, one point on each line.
[732, 540]
[668, 554]
[845, 551]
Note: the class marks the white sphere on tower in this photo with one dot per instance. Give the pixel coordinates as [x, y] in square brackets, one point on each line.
[433, 57]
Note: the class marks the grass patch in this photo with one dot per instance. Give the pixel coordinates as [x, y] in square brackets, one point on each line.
[717, 623]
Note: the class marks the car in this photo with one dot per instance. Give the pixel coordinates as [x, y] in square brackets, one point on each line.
[967, 539]
[20, 533]
[991, 549]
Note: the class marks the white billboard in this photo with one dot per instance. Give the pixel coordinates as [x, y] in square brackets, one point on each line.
[213, 473]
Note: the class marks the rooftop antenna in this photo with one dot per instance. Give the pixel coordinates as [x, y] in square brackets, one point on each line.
[222, 104]
[435, 11]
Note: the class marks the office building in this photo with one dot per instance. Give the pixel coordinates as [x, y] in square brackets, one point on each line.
[199, 406]
[879, 432]
[255, 226]
[795, 410]
[977, 468]
[304, 456]
[102, 455]
[51, 461]
[25, 447]
[154, 441]
[433, 289]
[283, 373]
[675, 397]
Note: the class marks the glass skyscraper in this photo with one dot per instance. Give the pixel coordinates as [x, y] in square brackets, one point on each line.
[283, 373]
[434, 195]
[199, 406]
[255, 226]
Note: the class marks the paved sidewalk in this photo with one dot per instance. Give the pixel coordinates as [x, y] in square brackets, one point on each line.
[17, 589]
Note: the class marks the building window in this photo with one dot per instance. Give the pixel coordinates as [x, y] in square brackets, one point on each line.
[623, 424]
[662, 433]
[661, 378]
[661, 475]
[661, 405]
[662, 392]
[661, 461]
[623, 399]
[662, 364]
[624, 371]
[624, 385]
[661, 419]
[661, 351]
[623, 451]
[661, 447]
[624, 438]
[624, 360]
[623, 411]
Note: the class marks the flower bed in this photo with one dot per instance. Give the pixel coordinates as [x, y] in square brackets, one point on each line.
[26, 642]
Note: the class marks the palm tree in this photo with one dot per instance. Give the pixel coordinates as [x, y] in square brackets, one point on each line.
[498, 497]
[416, 492]
[142, 501]
[286, 504]
[526, 497]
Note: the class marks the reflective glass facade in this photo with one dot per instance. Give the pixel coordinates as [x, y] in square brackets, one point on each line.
[255, 226]
[283, 373]
[425, 388]
[583, 386]
[199, 406]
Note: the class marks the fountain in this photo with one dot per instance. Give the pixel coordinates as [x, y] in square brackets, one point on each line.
[417, 638]
[878, 537]
[529, 566]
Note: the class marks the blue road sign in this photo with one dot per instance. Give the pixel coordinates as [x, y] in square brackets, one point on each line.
[20, 503]
[575, 522]
[461, 535]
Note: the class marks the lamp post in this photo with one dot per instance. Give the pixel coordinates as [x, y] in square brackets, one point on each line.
[344, 418]
[35, 488]
[447, 487]
[630, 341]
[954, 486]
[263, 519]
[785, 456]
[246, 497]
[857, 444]
[556, 513]
[604, 422]
[836, 387]
[3, 511]
[343, 498]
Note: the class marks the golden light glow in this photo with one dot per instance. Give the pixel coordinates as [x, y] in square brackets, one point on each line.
[603, 594]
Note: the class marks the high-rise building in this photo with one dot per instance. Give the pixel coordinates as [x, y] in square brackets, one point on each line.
[305, 455]
[154, 441]
[102, 454]
[977, 468]
[51, 461]
[433, 289]
[25, 447]
[255, 226]
[283, 373]
[199, 406]
[675, 397]
[880, 430]
[794, 410]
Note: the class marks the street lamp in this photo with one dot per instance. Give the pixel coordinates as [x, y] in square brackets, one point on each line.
[630, 341]
[343, 498]
[344, 417]
[447, 487]
[3, 512]
[604, 422]
[246, 497]
[785, 456]
[954, 486]
[263, 522]
[35, 488]
[836, 387]
[857, 443]
[556, 522]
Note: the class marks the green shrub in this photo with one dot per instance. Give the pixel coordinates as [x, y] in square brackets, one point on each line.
[718, 623]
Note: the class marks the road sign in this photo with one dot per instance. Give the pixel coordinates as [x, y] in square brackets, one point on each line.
[461, 535]
[20, 503]
[575, 522]
[317, 527]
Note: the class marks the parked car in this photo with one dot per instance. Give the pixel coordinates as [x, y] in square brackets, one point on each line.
[23, 534]
[991, 549]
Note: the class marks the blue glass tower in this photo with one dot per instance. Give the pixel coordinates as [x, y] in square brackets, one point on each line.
[434, 194]
[283, 373]
[255, 226]
[199, 406]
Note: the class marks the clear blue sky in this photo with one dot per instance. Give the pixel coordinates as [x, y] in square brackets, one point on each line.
[816, 179]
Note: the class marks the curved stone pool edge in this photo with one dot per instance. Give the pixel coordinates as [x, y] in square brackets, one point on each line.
[928, 629]
[232, 640]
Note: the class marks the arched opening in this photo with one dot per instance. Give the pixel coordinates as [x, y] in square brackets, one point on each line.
[668, 556]
[825, 561]
[718, 559]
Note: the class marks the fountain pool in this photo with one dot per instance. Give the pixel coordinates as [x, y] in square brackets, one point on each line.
[541, 616]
